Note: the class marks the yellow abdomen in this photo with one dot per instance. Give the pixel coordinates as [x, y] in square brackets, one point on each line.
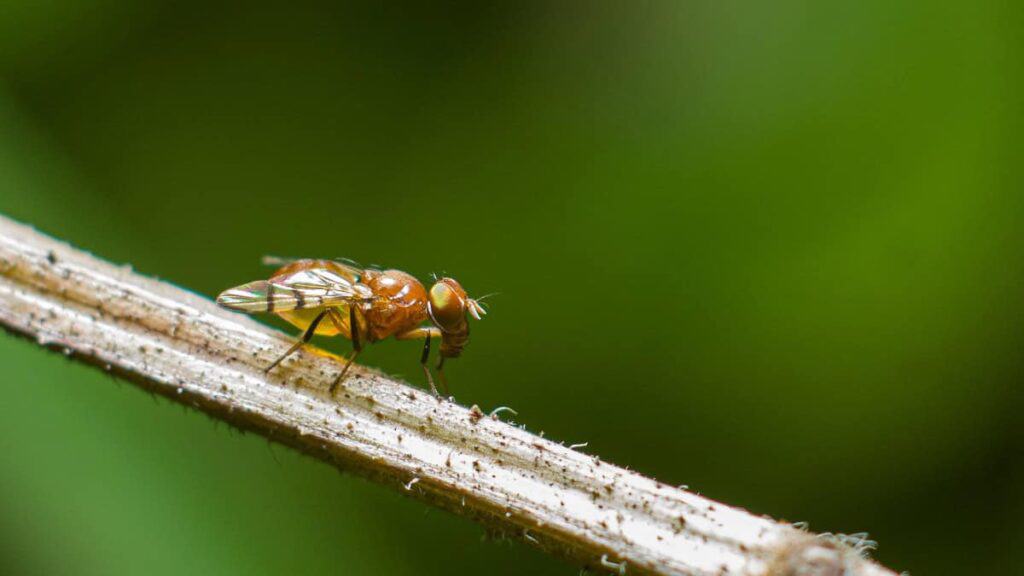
[301, 319]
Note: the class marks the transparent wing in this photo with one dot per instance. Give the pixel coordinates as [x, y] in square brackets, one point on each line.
[298, 290]
[349, 266]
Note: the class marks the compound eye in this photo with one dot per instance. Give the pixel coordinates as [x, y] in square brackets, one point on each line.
[447, 305]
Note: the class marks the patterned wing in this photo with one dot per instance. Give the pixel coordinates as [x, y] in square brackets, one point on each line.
[296, 290]
[344, 265]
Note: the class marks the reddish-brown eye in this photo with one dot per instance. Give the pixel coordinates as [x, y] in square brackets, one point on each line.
[447, 304]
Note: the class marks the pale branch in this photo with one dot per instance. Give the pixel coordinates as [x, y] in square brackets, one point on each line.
[180, 345]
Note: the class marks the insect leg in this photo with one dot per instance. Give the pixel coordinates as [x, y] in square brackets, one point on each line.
[277, 261]
[440, 376]
[338, 320]
[427, 334]
[357, 347]
[423, 362]
[310, 330]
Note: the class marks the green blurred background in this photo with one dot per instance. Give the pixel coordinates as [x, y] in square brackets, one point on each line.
[769, 250]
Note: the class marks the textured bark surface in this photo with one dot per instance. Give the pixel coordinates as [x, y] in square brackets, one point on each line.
[182, 346]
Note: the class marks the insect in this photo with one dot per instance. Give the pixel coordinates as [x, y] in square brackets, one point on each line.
[330, 297]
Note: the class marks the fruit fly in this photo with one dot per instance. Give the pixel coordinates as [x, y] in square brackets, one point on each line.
[330, 297]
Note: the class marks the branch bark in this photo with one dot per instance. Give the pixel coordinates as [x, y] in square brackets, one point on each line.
[180, 345]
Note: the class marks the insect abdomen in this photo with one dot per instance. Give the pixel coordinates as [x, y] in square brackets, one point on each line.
[301, 319]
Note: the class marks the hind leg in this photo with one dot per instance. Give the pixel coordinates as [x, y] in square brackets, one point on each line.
[306, 336]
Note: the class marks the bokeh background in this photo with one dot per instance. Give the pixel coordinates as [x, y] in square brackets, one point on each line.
[769, 250]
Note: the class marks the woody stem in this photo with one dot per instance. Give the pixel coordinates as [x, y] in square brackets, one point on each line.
[180, 345]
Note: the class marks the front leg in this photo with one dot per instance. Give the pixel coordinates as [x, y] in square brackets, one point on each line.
[427, 334]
